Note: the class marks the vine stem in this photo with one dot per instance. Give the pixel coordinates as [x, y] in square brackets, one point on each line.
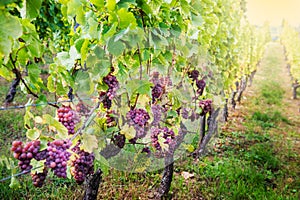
[140, 59]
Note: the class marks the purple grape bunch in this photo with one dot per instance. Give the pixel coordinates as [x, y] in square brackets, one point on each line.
[138, 118]
[206, 106]
[68, 118]
[119, 140]
[24, 153]
[110, 119]
[113, 85]
[157, 92]
[58, 156]
[105, 100]
[38, 179]
[200, 83]
[82, 165]
[200, 86]
[194, 74]
[166, 133]
[157, 114]
[82, 109]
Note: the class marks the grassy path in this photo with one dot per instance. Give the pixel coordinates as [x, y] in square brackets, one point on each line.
[261, 142]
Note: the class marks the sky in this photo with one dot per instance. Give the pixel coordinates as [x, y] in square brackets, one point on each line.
[273, 11]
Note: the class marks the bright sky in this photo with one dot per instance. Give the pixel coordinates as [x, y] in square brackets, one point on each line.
[274, 11]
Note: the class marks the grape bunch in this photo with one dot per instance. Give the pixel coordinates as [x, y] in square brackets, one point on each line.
[82, 165]
[119, 140]
[57, 156]
[38, 179]
[105, 100]
[206, 106]
[110, 119]
[200, 86]
[157, 92]
[165, 133]
[194, 74]
[138, 118]
[146, 150]
[68, 118]
[157, 114]
[82, 109]
[24, 153]
[184, 113]
[200, 83]
[113, 85]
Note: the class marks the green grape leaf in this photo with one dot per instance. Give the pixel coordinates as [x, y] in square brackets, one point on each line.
[10, 28]
[111, 4]
[56, 125]
[5, 73]
[139, 86]
[14, 183]
[31, 9]
[98, 3]
[126, 18]
[115, 48]
[6, 2]
[89, 142]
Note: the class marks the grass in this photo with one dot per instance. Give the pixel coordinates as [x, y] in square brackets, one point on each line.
[256, 155]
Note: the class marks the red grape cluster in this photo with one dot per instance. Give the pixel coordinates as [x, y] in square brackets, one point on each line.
[119, 140]
[184, 113]
[113, 85]
[157, 92]
[193, 74]
[57, 156]
[39, 178]
[105, 101]
[110, 119]
[200, 86]
[24, 153]
[83, 165]
[206, 106]
[165, 133]
[138, 118]
[157, 114]
[82, 109]
[68, 118]
[200, 83]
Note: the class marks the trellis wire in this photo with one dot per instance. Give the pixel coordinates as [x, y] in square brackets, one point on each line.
[41, 104]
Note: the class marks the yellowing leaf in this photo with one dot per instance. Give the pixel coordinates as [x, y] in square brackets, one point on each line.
[37, 166]
[38, 120]
[32, 134]
[89, 142]
[56, 125]
[190, 148]
[128, 131]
